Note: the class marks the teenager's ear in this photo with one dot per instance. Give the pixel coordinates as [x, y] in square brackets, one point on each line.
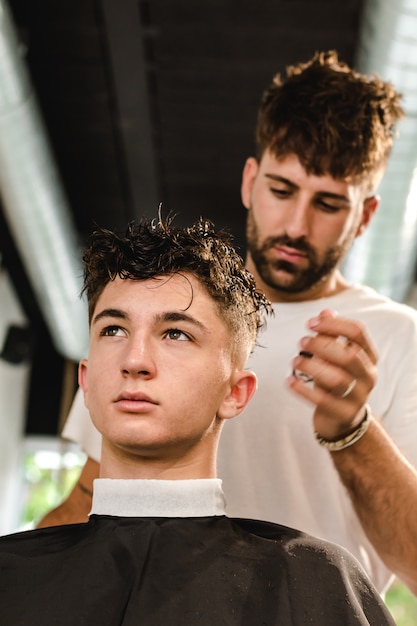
[242, 390]
[82, 378]
[248, 177]
[370, 205]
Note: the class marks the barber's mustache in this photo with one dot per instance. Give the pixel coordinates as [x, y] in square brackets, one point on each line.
[299, 244]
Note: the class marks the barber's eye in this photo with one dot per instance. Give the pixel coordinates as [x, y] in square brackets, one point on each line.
[329, 208]
[280, 193]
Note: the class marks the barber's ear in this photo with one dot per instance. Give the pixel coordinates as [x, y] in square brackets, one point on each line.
[242, 390]
[82, 378]
[248, 177]
[370, 205]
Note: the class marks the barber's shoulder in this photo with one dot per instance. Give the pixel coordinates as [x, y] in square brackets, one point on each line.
[380, 314]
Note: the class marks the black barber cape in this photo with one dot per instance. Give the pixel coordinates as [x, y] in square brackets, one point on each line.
[184, 563]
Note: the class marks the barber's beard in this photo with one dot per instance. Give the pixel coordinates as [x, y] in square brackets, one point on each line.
[297, 279]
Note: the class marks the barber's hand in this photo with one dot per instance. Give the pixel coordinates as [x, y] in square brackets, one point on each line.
[335, 370]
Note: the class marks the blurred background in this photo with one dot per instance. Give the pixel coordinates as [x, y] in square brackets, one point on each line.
[109, 108]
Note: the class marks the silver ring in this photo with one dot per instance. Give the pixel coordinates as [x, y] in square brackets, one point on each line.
[350, 388]
[301, 376]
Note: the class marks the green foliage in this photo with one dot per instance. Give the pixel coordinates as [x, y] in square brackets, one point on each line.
[46, 486]
[402, 604]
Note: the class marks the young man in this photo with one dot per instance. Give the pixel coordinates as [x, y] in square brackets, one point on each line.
[173, 318]
[324, 135]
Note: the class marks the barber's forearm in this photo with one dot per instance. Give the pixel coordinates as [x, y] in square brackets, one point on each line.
[383, 488]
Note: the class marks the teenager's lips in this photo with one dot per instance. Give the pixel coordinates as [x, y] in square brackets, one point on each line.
[135, 401]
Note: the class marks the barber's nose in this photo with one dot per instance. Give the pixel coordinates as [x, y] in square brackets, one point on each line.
[298, 220]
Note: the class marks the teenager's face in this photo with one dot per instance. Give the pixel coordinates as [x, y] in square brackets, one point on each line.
[159, 368]
[299, 226]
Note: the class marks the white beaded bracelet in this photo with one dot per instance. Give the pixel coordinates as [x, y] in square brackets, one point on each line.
[348, 440]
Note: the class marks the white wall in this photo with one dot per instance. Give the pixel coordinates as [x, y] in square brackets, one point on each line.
[14, 386]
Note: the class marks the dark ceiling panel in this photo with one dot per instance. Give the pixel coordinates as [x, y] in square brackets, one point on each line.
[140, 96]
[133, 103]
[67, 56]
[210, 62]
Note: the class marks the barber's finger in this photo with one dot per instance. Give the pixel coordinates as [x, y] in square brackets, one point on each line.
[332, 415]
[347, 356]
[352, 331]
[332, 378]
[337, 408]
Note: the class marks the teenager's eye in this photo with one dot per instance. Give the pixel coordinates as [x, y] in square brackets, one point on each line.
[177, 335]
[112, 331]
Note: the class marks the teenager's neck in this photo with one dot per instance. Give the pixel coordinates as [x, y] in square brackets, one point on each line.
[122, 465]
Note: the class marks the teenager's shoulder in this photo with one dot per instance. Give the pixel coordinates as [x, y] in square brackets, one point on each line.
[294, 542]
[41, 540]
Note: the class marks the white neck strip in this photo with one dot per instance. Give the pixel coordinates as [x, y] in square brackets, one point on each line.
[158, 498]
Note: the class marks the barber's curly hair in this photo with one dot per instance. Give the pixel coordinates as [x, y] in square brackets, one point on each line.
[153, 249]
[336, 120]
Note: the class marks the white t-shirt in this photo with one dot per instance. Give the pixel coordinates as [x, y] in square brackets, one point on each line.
[271, 466]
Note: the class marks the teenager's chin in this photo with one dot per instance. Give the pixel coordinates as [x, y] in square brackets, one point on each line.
[148, 446]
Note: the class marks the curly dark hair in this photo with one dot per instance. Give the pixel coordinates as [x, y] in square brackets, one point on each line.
[336, 120]
[151, 249]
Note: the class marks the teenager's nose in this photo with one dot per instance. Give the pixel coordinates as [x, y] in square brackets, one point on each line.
[138, 358]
